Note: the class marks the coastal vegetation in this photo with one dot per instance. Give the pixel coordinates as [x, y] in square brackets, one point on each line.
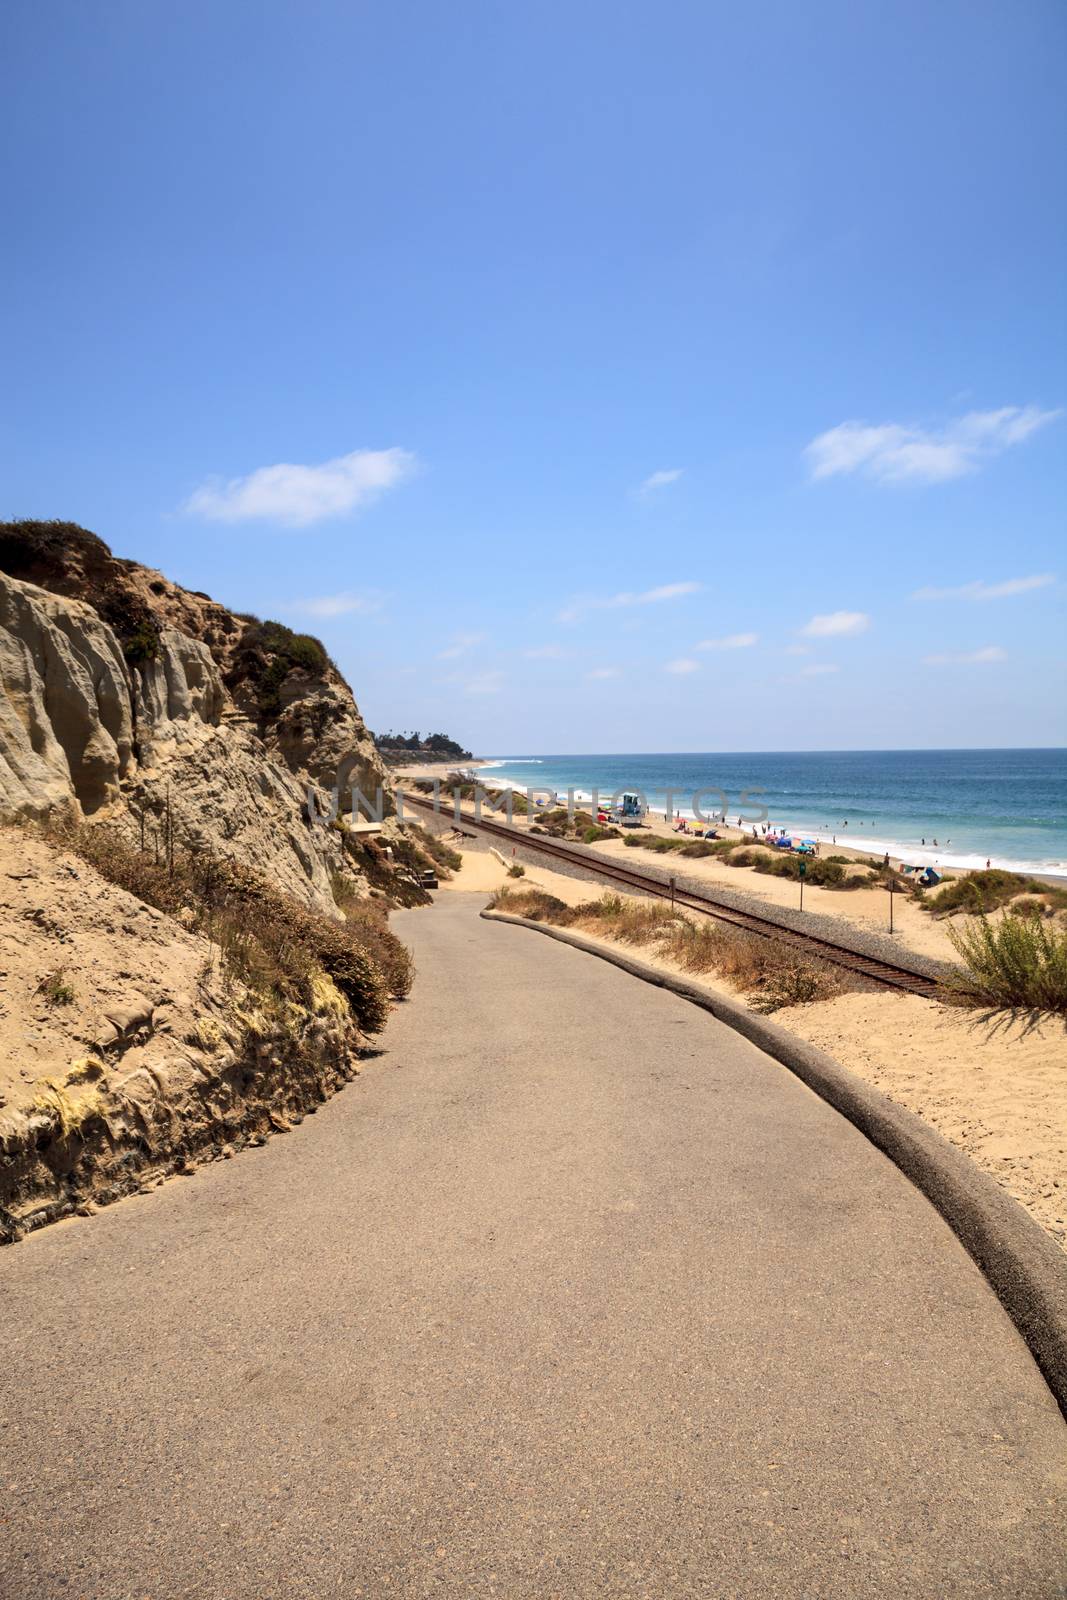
[768, 971]
[410, 746]
[827, 872]
[560, 823]
[279, 951]
[468, 788]
[1017, 963]
[440, 853]
[268, 652]
[989, 890]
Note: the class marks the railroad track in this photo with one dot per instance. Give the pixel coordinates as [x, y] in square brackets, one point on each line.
[875, 970]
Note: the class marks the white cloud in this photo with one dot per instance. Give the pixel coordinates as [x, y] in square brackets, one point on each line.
[978, 590]
[659, 480]
[546, 652]
[298, 495]
[894, 452]
[836, 623]
[683, 665]
[967, 658]
[818, 669]
[604, 672]
[666, 591]
[798, 649]
[338, 605]
[461, 643]
[732, 641]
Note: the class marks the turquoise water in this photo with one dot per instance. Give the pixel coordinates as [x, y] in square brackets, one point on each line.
[1008, 806]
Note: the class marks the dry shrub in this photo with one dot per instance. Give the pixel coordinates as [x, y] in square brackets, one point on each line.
[630, 921]
[367, 923]
[772, 972]
[269, 943]
[445, 858]
[532, 903]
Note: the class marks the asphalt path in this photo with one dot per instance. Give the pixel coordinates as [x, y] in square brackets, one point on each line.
[573, 1293]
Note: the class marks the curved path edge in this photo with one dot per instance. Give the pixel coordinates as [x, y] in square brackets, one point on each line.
[1026, 1270]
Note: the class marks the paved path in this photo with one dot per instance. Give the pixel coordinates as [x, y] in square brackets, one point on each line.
[573, 1294]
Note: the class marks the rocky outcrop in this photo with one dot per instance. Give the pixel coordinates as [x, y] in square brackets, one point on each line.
[126, 1052]
[126, 697]
[66, 723]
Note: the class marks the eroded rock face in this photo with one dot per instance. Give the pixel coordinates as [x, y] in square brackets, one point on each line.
[143, 705]
[177, 693]
[66, 724]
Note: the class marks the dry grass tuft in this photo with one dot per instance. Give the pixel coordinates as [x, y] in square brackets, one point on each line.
[768, 970]
[69, 1113]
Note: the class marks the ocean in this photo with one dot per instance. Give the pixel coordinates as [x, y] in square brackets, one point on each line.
[969, 806]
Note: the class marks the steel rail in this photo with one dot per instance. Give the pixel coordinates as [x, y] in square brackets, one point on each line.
[873, 968]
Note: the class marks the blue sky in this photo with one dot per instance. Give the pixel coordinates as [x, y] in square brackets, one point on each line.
[589, 377]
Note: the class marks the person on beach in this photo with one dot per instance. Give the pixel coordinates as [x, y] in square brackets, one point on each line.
[987, 863]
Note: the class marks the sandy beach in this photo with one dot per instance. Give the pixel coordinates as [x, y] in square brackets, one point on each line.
[867, 909]
[655, 822]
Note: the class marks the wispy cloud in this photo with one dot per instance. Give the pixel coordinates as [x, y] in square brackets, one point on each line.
[666, 591]
[732, 641]
[835, 624]
[604, 672]
[298, 495]
[967, 658]
[683, 665]
[338, 605]
[459, 645]
[659, 480]
[818, 669]
[546, 652]
[895, 452]
[484, 683]
[987, 591]
[798, 649]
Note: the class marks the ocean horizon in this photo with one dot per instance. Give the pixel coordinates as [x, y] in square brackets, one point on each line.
[948, 808]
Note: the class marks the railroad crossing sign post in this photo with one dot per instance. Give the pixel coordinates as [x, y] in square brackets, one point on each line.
[890, 902]
[803, 865]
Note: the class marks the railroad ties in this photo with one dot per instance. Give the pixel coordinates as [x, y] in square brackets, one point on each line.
[873, 968]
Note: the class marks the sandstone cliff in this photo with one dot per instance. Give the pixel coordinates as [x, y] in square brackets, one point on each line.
[190, 957]
[126, 697]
